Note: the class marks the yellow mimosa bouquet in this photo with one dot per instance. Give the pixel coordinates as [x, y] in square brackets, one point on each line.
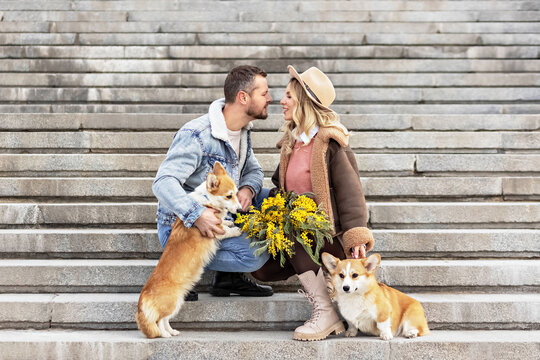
[284, 220]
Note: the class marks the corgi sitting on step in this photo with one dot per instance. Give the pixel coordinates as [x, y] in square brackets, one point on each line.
[369, 306]
[185, 256]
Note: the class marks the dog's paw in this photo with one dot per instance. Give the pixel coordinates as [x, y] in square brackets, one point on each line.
[165, 334]
[174, 332]
[351, 332]
[411, 333]
[386, 335]
[228, 223]
[235, 232]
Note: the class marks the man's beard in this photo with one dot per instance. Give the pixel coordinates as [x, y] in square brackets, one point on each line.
[257, 115]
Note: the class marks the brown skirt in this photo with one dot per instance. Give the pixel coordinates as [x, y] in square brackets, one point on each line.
[298, 264]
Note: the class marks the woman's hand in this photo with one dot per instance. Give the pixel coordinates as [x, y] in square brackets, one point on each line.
[359, 252]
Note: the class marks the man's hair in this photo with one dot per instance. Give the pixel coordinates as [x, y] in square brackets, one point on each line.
[240, 78]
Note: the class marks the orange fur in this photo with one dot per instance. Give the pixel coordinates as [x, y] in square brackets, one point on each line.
[369, 306]
[181, 265]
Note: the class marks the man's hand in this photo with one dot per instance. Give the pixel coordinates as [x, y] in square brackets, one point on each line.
[245, 197]
[207, 223]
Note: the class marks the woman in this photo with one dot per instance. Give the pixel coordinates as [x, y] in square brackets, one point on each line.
[316, 158]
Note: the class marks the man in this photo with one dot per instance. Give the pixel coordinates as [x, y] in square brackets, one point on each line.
[223, 134]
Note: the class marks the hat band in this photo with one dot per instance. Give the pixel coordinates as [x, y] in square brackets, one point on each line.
[312, 93]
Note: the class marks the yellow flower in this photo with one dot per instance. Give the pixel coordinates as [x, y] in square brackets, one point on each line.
[305, 237]
[304, 202]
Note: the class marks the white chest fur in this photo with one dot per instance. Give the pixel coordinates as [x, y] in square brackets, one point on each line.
[359, 311]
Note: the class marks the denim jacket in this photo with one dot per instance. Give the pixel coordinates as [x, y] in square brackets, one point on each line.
[195, 148]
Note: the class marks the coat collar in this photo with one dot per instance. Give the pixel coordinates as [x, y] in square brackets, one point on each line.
[326, 134]
[332, 133]
[217, 120]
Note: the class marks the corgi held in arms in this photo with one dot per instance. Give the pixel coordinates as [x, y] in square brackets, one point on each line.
[185, 256]
[369, 306]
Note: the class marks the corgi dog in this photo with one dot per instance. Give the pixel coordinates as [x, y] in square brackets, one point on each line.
[185, 256]
[369, 306]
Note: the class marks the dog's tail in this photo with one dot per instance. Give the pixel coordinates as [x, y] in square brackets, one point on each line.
[147, 320]
[415, 314]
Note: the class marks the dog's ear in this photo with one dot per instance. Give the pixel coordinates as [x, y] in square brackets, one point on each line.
[219, 170]
[372, 262]
[212, 182]
[329, 261]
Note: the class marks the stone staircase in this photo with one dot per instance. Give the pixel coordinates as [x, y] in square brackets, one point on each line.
[442, 97]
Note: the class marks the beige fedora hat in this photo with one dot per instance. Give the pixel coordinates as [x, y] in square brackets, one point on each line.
[316, 84]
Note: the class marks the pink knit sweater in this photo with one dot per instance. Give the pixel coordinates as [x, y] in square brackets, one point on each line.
[298, 176]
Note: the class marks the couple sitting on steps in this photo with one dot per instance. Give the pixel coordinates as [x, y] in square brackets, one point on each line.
[315, 157]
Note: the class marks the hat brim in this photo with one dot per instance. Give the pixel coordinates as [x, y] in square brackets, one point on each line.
[296, 75]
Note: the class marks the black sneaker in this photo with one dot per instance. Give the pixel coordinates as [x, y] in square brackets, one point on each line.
[226, 283]
[191, 296]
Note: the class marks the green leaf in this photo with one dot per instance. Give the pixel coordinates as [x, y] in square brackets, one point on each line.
[281, 258]
[260, 251]
[258, 243]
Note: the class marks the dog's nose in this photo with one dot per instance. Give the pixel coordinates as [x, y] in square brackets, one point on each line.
[346, 288]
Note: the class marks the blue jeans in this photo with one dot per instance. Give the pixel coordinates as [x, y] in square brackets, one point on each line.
[234, 254]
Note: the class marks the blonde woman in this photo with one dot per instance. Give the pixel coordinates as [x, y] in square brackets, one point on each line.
[316, 158]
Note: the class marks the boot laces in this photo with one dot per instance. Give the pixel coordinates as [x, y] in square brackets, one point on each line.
[248, 280]
[316, 312]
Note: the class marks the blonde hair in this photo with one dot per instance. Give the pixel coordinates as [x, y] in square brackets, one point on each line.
[306, 115]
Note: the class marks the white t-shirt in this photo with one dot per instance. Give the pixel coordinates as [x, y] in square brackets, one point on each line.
[234, 139]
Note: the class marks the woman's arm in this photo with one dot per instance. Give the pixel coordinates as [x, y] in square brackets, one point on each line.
[349, 198]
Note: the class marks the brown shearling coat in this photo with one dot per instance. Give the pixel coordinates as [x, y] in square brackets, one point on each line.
[336, 185]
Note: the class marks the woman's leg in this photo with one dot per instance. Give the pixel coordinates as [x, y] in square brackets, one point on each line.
[324, 319]
[272, 271]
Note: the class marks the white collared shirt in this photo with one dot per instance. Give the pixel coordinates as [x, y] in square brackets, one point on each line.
[306, 138]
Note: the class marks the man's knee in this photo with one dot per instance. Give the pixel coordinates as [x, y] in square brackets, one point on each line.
[254, 263]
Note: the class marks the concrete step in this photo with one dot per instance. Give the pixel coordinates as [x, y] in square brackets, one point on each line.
[450, 215]
[374, 187]
[373, 108]
[269, 65]
[143, 243]
[72, 276]
[409, 140]
[383, 215]
[264, 52]
[463, 163]
[272, 27]
[211, 39]
[207, 95]
[300, 6]
[242, 14]
[140, 165]
[283, 311]
[360, 141]
[172, 122]
[216, 80]
[95, 344]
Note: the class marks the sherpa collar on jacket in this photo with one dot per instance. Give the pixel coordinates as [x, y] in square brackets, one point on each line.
[218, 128]
[217, 120]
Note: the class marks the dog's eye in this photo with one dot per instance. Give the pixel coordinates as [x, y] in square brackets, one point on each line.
[342, 276]
[228, 197]
[354, 276]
